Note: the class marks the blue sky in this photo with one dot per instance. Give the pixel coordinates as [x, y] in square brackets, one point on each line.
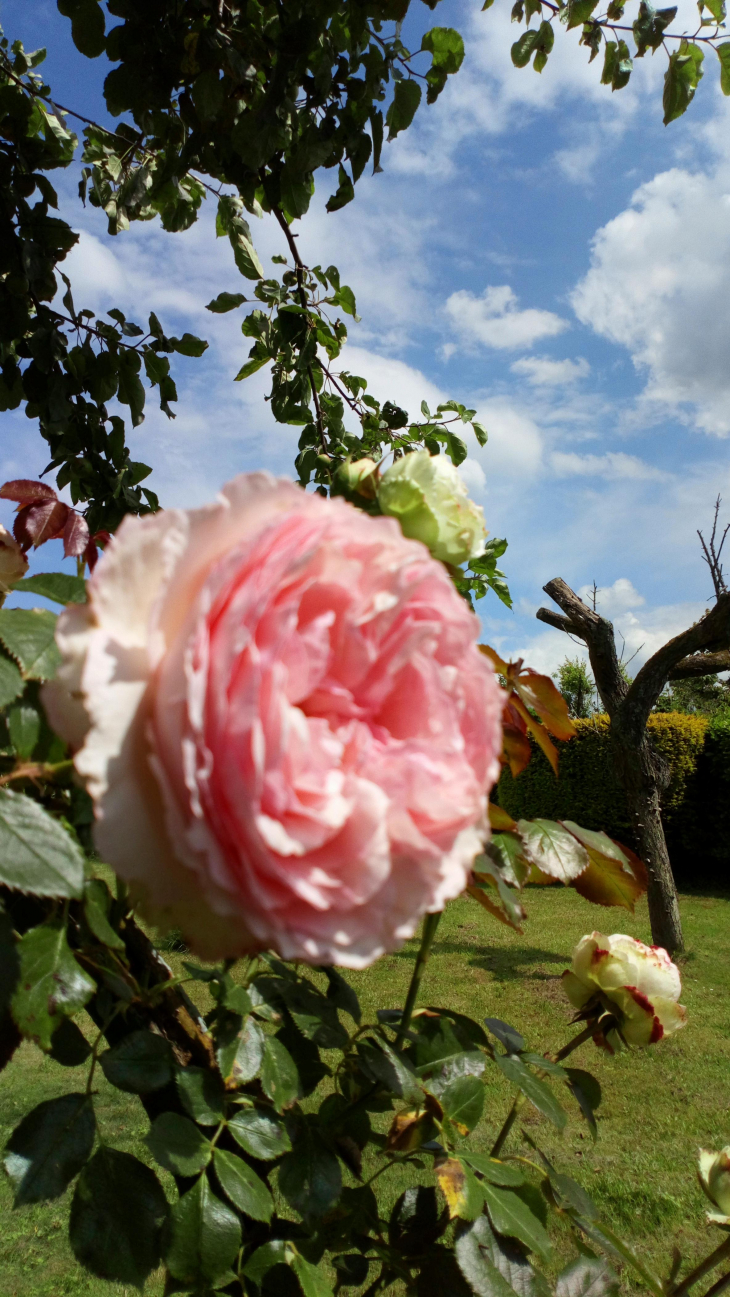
[544, 250]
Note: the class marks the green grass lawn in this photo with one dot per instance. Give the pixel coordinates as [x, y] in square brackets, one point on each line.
[659, 1104]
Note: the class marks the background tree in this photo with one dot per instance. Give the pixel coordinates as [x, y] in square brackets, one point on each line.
[577, 687]
[699, 651]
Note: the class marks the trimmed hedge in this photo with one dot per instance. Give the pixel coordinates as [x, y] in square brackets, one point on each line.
[695, 805]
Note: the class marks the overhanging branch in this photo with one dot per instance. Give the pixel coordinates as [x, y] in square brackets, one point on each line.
[701, 664]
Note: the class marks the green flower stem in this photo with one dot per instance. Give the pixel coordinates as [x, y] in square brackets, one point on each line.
[702, 1269]
[430, 924]
[520, 1099]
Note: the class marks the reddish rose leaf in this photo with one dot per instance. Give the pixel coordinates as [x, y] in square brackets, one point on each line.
[495, 659]
[516, 750]
[498, 817]
[23, 491]
[75, 535]
[37, 523]
[607, 882]
[539, 733]
[539, 693]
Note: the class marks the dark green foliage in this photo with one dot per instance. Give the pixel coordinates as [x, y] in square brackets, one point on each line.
[118, 1213]
[49, 1147]
[694, 805]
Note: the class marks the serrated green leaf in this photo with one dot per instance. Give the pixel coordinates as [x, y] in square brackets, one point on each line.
[24, 728]
[260, 1133]
[240, 1050]
[141, 1062]
[536, 1090]
[587, 1277]
[279, 1075]
[96, 898]
[28, 636]
[202, 1095]
[491, 1168]
[178, 1145]
[118, 1215]
[49, 1147]
[206, 1236]
[309, 1177]
[60, 587]
[463, 1101]
[11, 681]
[69, 1045]
[510, 1215]
[37, 855]
[52, 984]
[311, 1280]
[243, 1186]
[723, 53]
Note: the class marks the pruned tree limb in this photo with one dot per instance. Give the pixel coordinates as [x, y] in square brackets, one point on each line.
[596, 632]
[711, 630]
[701, 664]
[559, 622]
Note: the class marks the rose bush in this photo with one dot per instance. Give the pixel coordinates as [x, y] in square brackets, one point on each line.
[284, 722]
[429, 498]
[637, 986]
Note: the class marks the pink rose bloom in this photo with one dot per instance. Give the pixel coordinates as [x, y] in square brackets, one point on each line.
[284, 722]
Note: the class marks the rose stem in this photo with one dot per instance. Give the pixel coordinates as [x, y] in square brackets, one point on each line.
[519, 1100]
[702, 1269]
[430, 924]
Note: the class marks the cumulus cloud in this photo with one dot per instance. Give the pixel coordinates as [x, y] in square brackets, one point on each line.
[541, 371]
[495, 320]
[659, 285]
[613, 466]
[620, 597]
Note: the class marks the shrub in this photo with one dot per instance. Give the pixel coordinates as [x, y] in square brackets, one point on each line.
[695, 804]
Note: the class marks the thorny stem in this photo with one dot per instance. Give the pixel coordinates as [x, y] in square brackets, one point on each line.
[430, 924]
[702, 1269]
[520, 1099]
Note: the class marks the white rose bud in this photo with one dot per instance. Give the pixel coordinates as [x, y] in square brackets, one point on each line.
[428, 497]
[13, 563]
[637, 984]
[714, 1173]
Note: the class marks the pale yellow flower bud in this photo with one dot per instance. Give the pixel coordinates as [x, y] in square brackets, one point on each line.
[714, 1173]
[13, 563]
[429, 498]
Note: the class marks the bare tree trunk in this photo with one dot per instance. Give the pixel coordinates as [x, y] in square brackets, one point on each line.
[644, 774]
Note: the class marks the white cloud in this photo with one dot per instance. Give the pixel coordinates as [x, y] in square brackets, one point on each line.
[659, 285]
[494, 319]
[540, 371]
[613, 466]
[617, 598]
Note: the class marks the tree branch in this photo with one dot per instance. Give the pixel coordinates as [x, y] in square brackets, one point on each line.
[558, 622]
[710, 631]
[701, 664]
[596, 632]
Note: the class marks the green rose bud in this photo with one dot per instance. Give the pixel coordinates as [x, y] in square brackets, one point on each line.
[428, 497]
[357, 478]
[714, 1173]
